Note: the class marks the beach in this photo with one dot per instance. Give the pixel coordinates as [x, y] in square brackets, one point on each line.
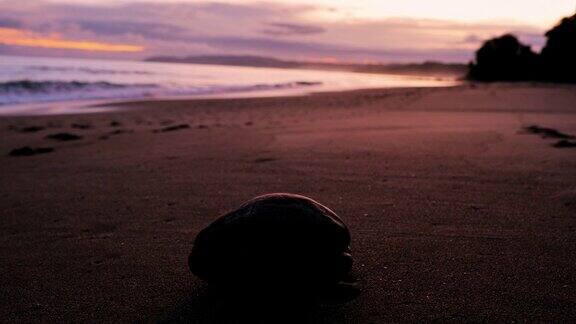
[457, 212]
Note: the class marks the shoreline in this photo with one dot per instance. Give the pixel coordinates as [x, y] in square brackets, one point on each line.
[96, 106]
[292, 88]
[90, 106]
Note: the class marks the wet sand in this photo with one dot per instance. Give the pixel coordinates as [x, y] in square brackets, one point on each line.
[457, 211]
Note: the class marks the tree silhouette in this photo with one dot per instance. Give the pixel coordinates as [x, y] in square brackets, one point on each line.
[507, 59]
[504, 59]
[559, 54]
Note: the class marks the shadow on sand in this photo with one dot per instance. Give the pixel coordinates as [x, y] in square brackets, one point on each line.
[212, 305]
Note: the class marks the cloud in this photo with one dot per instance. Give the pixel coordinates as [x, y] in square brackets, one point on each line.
[116, 28]
[16, 37]
[536, 40]
[287, 29]
[282, 30]
[9, 22]
[307, 50]
[472, 39]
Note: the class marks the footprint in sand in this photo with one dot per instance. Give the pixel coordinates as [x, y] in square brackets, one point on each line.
[28, 151]
[116, 132]
[31, 129]
[100, 229]
[566, 198]
[264, 160]
[81, 126]
[100, 260]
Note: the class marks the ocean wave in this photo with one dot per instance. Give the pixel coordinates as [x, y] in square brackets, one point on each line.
[28, 86]
[43, 68]
[28, 91]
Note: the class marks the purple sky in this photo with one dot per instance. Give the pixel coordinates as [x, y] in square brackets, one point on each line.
[330, 30]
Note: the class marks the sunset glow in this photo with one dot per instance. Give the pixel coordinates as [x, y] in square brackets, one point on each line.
[346, 30]
[531, 11]
[16, 37]
[538, 12]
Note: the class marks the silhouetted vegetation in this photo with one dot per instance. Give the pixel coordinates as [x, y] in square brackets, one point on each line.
[559, 54]
[505, 58]
[438, 69]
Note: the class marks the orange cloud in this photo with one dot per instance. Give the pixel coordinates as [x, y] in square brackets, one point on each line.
[17, 37]
[329, 59]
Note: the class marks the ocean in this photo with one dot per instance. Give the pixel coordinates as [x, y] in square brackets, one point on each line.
[33, 80]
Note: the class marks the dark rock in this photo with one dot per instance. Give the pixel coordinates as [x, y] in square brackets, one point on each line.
[264, 160]
[24, 151]
[28, 151]
[121, 131]
[174, 128]
[115, 124]
[42, 150]
[31, 129]
[64, 137]
[277, 243]
[565, 144]
[546, 132]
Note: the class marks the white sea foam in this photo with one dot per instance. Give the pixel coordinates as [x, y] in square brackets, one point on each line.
[27, 91]
[33, 80]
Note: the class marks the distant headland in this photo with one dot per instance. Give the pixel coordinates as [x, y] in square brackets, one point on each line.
[432, 68]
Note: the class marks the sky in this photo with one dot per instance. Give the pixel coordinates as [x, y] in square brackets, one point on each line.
[368, 31]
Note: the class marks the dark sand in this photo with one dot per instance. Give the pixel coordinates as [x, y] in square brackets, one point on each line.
[456, 212]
